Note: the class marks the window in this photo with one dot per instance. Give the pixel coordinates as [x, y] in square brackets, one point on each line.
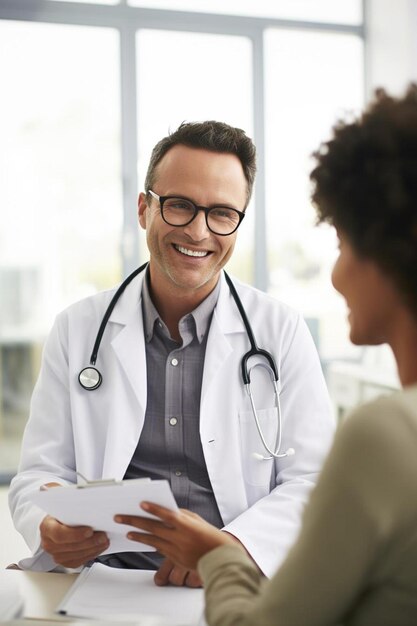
[84, 99]
[307, 89]
[214, 82]
[343, 11]
[60, 193]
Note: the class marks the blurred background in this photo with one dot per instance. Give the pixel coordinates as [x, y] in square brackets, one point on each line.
[87, 89]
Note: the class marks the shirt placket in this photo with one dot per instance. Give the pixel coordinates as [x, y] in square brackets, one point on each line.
[174, 424]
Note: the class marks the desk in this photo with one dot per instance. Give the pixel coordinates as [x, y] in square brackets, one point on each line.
[42, 592]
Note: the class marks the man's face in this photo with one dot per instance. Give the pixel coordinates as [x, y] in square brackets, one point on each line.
[187, 259]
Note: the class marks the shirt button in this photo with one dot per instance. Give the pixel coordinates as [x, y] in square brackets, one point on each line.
[173, 421]
[178, 473]
[174, 362]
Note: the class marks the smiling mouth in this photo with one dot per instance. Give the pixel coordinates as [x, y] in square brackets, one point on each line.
[188, 252]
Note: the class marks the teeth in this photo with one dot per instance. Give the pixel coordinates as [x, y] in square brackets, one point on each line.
[191, 252]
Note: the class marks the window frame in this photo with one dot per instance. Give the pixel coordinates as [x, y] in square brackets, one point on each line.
[127, 20]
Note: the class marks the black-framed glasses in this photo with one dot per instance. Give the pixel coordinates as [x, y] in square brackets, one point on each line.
[178, 211]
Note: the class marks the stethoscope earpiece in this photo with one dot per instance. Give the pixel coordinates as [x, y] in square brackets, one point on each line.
[261, 457]
[258, 456]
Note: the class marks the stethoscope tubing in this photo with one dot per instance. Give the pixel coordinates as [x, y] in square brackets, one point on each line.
[254, 351]
[109, 311]
[90, 377]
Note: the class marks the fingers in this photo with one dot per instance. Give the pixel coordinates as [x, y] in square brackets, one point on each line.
[171, 574]
[170, 519]
[71, 546]
[150, 525]
[157, 534]
[176, 519]
[193, 579]
[181, 536]
[51, 529]
[98, 542]
[166, 570]
[190, 514]
[76, 558]
[169, 516]
[162, 545]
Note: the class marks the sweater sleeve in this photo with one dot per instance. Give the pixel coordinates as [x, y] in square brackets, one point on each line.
[344, 526]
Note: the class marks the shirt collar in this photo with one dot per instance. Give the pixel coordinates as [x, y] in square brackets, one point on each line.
[202, 314]
[150, 314]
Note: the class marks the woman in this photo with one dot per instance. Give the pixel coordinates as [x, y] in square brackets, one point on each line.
[355, 561]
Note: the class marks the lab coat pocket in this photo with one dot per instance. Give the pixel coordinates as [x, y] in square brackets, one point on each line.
[257, 471]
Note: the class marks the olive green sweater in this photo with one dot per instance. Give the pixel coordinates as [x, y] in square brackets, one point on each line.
[355, 561]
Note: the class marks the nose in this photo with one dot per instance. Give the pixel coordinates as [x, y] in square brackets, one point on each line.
[197, 229]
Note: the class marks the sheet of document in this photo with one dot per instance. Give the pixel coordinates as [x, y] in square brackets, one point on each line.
[145, 620]
[123, 594]
[97, 505]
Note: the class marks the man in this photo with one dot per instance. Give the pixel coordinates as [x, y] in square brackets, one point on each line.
[172, 403]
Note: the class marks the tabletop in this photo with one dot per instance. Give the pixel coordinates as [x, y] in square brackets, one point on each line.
[41, 592]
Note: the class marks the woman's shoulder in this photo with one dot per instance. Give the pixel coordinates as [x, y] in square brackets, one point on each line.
[384, 426]
[374, 457]
[381, 411]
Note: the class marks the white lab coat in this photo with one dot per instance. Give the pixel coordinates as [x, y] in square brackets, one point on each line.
[96, 432]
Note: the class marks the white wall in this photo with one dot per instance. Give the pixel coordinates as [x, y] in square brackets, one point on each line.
[392, 44]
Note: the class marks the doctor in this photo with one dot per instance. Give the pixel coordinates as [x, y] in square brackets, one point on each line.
[172, 403]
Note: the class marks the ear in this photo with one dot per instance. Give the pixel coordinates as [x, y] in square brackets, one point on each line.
[142, 206]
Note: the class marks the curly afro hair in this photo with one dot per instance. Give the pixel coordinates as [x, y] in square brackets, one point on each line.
[365, 184]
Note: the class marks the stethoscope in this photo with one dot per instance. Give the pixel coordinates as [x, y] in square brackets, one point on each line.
[90, 377]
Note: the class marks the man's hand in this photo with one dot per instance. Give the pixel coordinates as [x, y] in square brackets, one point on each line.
[70, 546]
[181, 536]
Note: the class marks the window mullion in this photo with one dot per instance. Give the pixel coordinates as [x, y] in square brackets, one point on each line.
[260, 278]
[130, 235]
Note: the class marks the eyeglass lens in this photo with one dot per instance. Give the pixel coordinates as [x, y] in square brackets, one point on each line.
[179, 212]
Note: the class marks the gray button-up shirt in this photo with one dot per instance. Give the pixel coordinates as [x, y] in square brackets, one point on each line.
[169, 446]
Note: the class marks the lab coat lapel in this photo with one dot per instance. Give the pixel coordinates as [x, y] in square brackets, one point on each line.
[129, 343]
[226, 320]
[219, 401]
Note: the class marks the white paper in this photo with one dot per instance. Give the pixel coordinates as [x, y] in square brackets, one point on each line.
[112, 593]
[97, 505]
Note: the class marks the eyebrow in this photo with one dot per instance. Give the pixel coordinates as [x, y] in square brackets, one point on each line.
[210, 206]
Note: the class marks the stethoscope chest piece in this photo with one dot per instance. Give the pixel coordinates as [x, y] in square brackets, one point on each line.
[90, 378]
